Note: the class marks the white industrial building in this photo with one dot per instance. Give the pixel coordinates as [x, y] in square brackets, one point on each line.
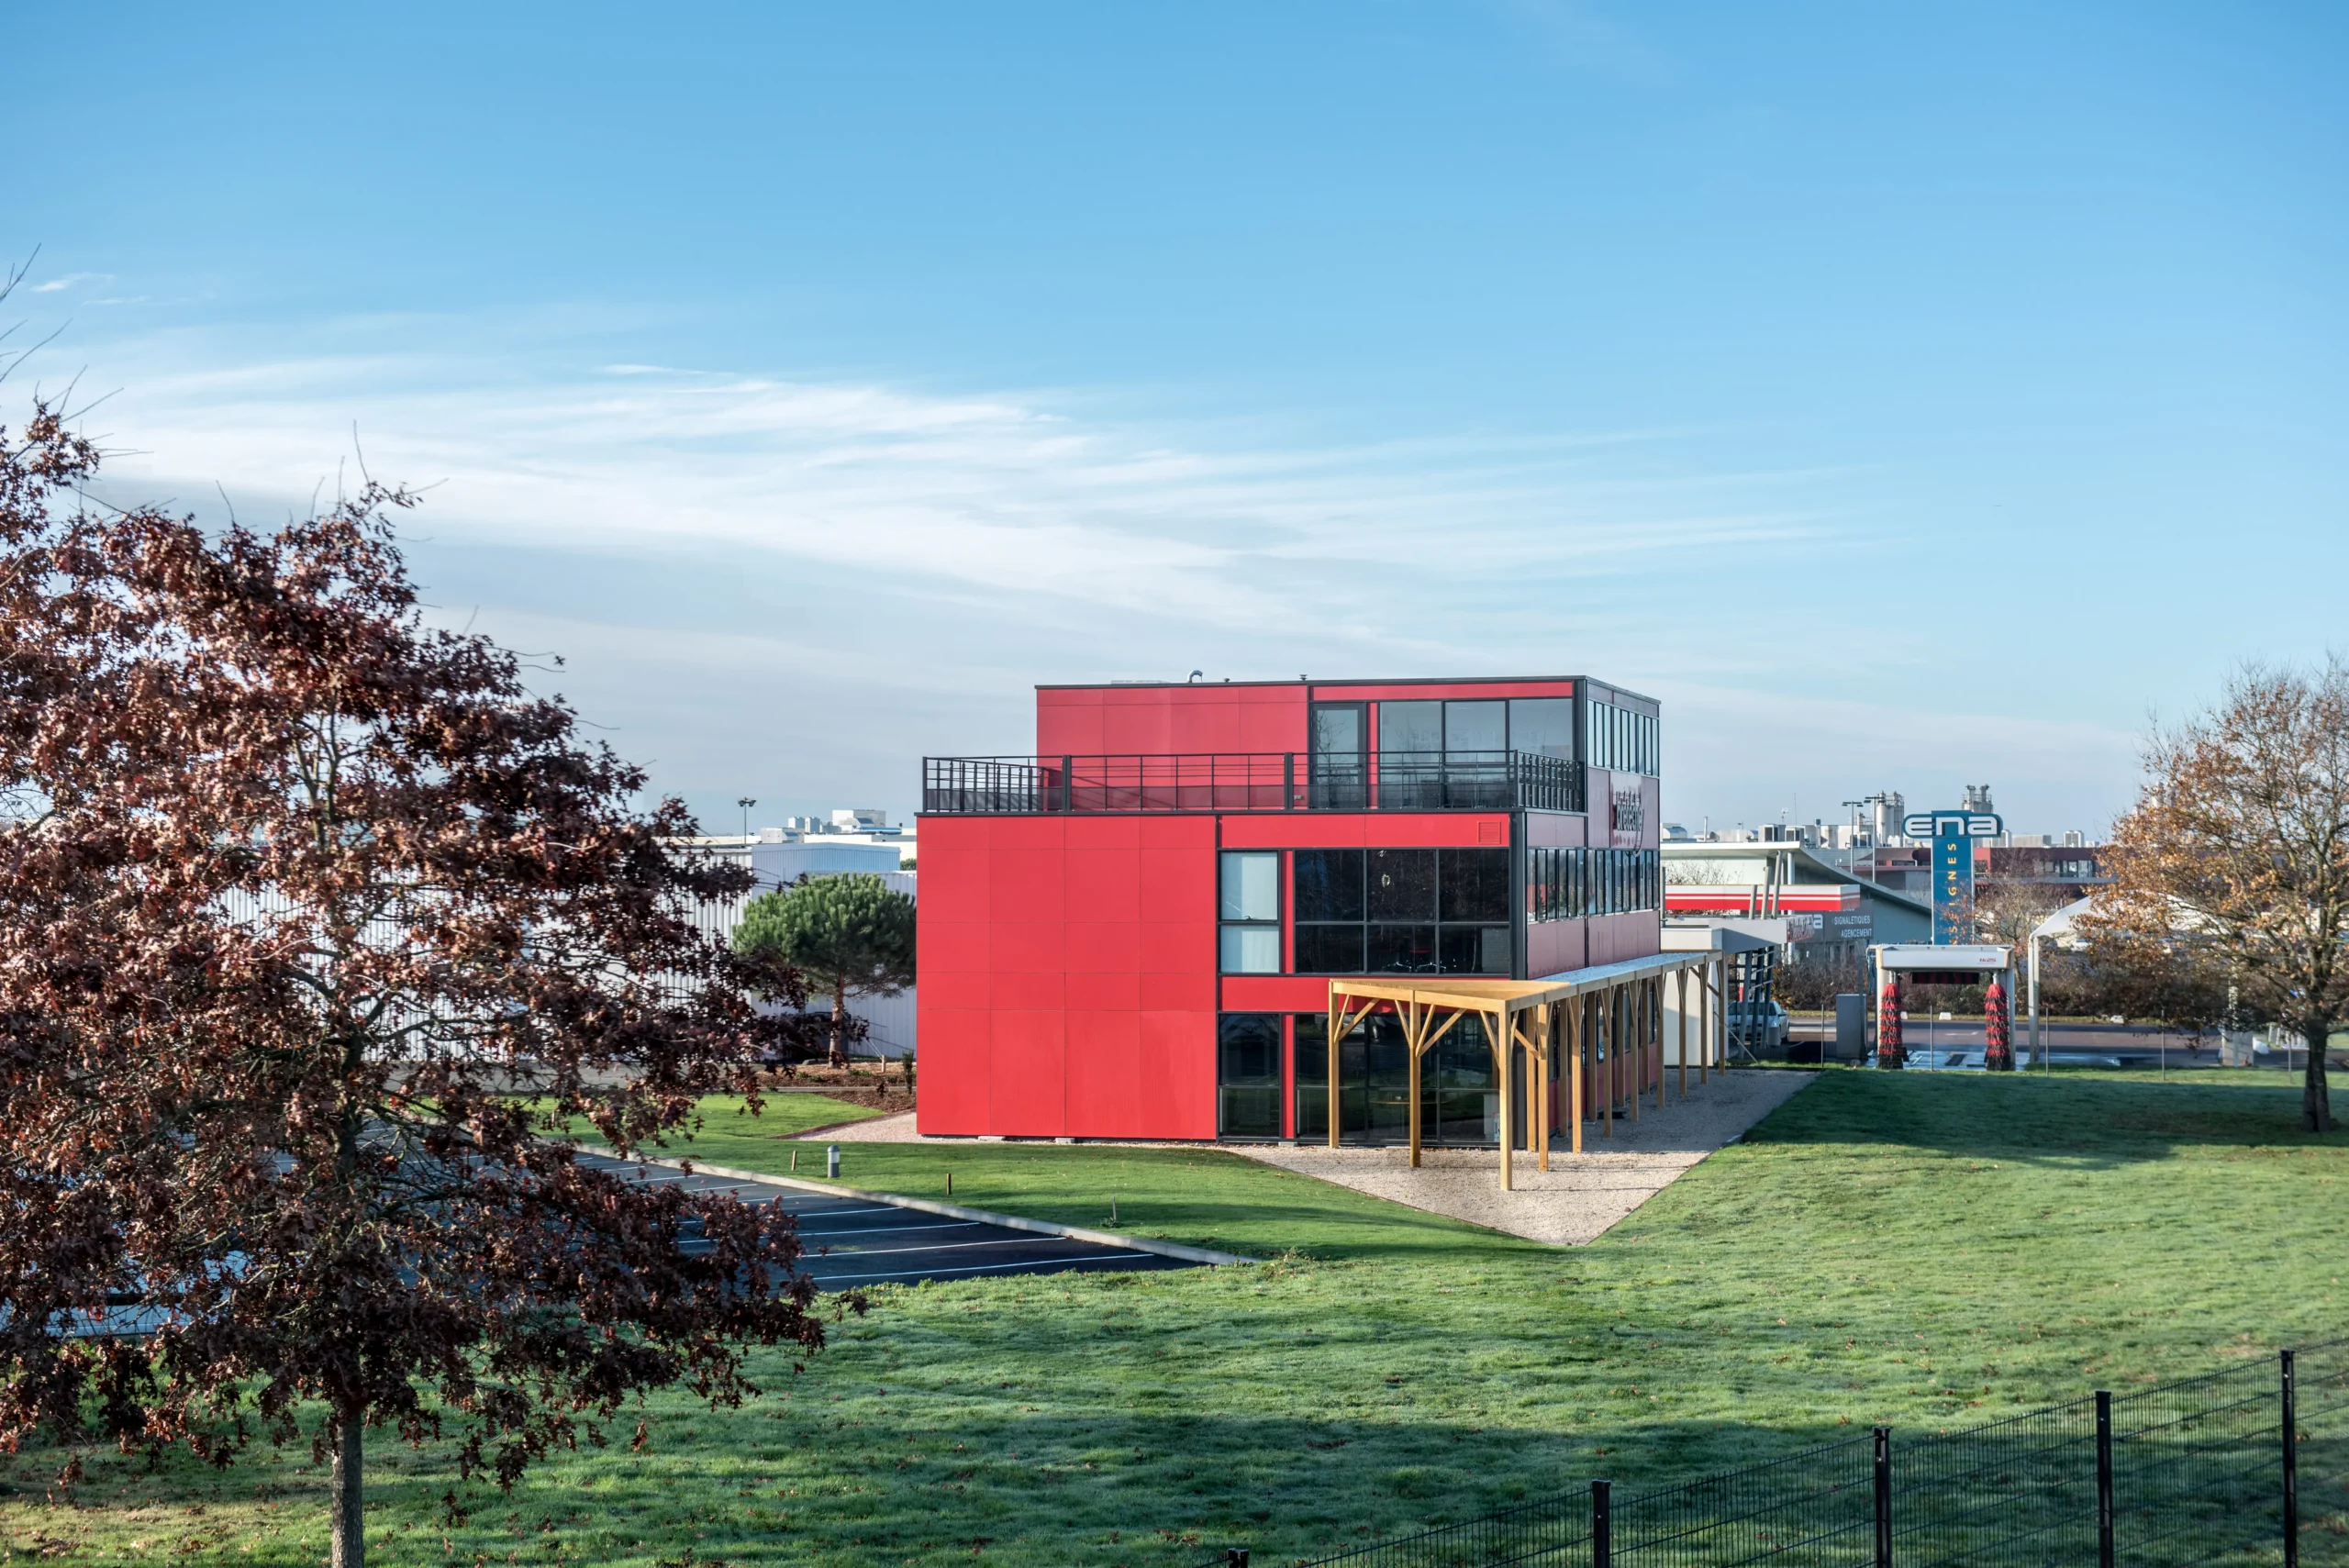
[780, 856]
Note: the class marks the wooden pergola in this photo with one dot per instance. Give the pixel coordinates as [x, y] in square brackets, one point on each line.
[1570, 1015]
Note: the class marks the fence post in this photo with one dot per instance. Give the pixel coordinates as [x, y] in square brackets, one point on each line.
[2104, 1478]
[1602, 1550]
[2291, 1466]
[1884, 1497]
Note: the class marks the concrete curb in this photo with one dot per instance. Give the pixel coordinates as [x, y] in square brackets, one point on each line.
[954, 1211]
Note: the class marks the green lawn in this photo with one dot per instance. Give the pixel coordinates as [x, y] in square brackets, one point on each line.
[1927, 1249]
[726, 1125]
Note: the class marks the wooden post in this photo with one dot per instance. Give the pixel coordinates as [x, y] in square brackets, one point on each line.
[1414, 1029]
[1574, 1088]
[1337, 1012]
[1655, 1032]
[1705, 1047]
[1507, 1131]
[1728, 1061]
[1541, 1088]
[1611, 1043]
[1638, 1045]
[1680, 995]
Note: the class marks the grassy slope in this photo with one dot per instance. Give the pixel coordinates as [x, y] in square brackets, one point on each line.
[1927, 1249]
[726, 1125]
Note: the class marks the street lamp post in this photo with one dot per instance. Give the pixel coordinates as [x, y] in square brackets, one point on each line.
[746, 801]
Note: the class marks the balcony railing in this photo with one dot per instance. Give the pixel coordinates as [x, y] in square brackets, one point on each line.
[1251, 781]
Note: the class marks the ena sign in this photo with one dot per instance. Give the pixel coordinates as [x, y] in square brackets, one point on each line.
[1952, 834]
[1950, 825]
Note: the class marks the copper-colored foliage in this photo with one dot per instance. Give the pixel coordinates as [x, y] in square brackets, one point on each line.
[297, 897]
[2231, 872]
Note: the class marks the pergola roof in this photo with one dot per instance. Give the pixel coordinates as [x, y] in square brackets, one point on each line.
[1429, 1008]
[1515, 995]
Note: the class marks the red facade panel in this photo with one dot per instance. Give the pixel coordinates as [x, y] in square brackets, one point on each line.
[1163, 720]
[1178, 1074]
[1028, 1072]
[1105, 1072]
[954, 1066]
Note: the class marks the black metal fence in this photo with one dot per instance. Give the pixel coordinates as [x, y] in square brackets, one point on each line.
[2245, 1466]
[1251, 781]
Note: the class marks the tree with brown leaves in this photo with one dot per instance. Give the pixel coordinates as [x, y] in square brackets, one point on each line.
[317, 930]
[2233, 869]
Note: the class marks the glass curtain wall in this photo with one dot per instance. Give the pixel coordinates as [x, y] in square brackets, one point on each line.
[1569, 884]
[1459, 1094]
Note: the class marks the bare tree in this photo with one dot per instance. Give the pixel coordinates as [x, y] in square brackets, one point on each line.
[2234, 866]
[317, 930]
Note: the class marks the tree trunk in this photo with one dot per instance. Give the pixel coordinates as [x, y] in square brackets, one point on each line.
[347, 1494]
[2316, 1094]
[839, 1021]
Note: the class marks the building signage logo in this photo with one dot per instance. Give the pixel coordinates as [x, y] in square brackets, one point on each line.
[1957, 824]
[1952, 833]
[1628, 816]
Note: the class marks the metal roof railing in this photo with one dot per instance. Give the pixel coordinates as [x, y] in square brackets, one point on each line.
[1251, 781]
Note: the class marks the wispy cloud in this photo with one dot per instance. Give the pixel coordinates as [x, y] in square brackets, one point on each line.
[59, 284]
[800, 583]
[1024, 495]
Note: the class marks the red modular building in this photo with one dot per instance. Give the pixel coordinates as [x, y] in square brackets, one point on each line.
[1130, 933]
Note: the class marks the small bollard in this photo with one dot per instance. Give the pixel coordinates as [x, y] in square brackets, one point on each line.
[833, 1160]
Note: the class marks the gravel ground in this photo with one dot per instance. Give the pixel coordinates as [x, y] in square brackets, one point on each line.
[1577, 1200]
[1580, 1195]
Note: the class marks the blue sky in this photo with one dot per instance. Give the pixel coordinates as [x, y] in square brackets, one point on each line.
[1908, 397]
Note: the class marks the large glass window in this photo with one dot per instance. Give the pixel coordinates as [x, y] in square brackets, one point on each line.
[1567, 884]
[1249, 905]
[1543, 726]
[1479, 726]
[1476, 885]
[1410, 756]
[1329, 901]
[1329, 884]
[1623, 740]
[1341, 742]
[1459, 1096]
[1402, 911]
[1402, 885]
[1248, 1075]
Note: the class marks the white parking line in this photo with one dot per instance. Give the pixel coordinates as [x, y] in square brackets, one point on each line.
[982, 1268]
[897, 1229]
[958, 1246]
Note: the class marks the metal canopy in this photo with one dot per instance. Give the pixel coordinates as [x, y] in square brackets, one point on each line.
[1986, 957]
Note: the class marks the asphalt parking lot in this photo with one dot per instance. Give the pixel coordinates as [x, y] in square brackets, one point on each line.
[854, 1242]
